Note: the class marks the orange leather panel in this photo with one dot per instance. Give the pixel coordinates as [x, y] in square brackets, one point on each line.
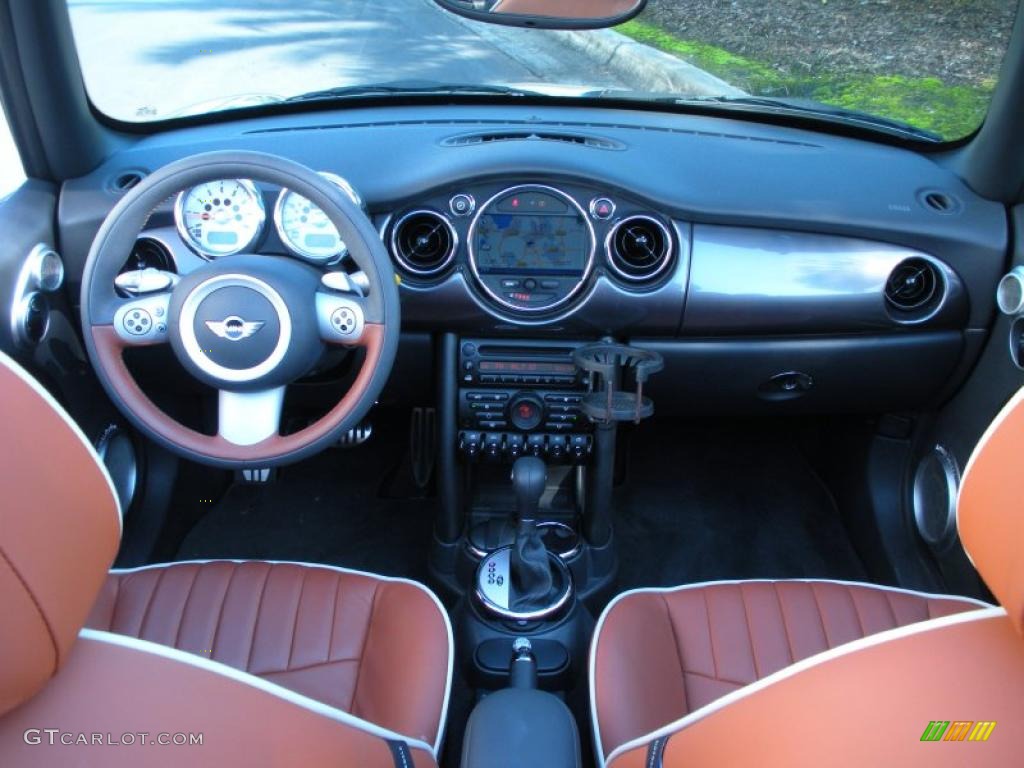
[109, 689]
[374, 648]
[661, 655]
[990, 510]
[871, 707]
[58, 535]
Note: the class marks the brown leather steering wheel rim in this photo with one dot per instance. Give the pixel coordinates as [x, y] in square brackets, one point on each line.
[379, 339]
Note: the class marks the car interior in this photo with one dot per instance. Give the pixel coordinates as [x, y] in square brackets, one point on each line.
[399, 425]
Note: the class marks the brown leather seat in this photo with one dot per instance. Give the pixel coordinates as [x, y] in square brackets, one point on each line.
[268, 663]
[812, 672]
[659, 654]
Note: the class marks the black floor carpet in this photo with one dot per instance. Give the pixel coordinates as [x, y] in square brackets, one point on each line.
[705, 502]
[354, 508]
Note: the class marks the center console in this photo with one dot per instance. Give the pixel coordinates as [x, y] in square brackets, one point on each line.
[528, 444]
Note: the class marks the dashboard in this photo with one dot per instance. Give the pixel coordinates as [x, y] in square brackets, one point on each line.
[740, 251]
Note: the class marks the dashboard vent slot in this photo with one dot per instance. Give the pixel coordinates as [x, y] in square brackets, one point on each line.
[639, 248]
[126, 180]
[594, 142]
[423, 242]
[913, 285]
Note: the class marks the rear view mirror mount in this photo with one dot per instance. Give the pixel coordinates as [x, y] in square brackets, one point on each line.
[547, 14]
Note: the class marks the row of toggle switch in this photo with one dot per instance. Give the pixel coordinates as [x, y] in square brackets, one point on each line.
[509, 446]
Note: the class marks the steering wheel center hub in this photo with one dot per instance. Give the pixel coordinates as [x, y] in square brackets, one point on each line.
[234, 327]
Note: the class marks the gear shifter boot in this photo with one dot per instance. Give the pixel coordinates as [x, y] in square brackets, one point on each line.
[532, 579]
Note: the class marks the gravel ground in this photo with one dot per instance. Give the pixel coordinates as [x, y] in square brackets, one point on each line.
[961, 42]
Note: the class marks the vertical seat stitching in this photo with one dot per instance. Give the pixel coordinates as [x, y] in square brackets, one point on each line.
[334, 616]
[295, 619]
[220, 612]
[184, 606]
[785, 625]
[117, 601]
[892, 611]
[856, 612]
[256, 621]
[711, 639]
[149, 603]
[750, 632]
[821, 616]
[679, 651]
[362, 648]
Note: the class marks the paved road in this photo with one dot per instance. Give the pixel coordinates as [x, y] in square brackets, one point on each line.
[147, 59]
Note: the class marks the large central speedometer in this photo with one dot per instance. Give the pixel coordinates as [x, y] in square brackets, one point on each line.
[531, 248]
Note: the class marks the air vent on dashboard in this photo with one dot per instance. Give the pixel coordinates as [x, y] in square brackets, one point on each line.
[125, 180]
[913, 285]
[149, 254]
[489, 137]
[423, 242]
[639, 248]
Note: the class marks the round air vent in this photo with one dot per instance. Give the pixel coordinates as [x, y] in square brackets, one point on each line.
[639, 248]
[149, 254]
[423, 242]
[913, 285]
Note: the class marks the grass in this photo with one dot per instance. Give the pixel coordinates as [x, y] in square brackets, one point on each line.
[951, 111]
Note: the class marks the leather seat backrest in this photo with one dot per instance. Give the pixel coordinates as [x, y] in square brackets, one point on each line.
[59, 529]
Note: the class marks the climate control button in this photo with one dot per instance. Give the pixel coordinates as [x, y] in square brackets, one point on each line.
[526, 412]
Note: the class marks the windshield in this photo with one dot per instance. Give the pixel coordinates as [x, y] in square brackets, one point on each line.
[918, 68]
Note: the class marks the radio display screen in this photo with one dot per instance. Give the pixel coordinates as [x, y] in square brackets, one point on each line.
[522, 366]
[531, 232]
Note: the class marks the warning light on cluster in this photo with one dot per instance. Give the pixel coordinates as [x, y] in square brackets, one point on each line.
[515, 202]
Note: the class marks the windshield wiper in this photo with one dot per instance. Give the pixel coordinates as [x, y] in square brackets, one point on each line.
[407, 87]
[784, 106]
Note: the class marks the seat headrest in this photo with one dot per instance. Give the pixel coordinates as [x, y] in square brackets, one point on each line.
[990, 510]
[60, 522]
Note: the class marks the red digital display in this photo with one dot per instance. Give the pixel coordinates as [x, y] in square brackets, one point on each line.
[519, 366]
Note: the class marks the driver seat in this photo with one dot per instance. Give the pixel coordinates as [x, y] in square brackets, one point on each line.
[272, 663]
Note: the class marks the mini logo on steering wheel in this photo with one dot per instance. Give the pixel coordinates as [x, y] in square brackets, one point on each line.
[234, 328]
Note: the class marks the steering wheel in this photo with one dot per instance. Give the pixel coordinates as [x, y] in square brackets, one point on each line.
[247, 325]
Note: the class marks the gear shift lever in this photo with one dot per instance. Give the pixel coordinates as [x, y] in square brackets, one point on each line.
[530, 564]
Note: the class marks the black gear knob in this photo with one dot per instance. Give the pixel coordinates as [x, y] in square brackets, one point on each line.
[529, 476]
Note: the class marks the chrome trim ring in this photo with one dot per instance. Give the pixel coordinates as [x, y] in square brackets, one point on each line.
[186, 328]
[186, 237]
[569, 554]
[1010, 292]
[507, 613]
[345, 187]
[951, 476]
[393, 242]
[587, 269]
[666, 260]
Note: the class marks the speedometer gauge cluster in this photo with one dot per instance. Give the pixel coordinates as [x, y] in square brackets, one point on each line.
[305, 229]
[220, 218]
[225, 217]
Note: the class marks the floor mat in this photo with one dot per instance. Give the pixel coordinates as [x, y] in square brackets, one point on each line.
[736, 502]
[328, 509]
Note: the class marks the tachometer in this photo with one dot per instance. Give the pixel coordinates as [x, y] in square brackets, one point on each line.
[220, 218]
[305, 229]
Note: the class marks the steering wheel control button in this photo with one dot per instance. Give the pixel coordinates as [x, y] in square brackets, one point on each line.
[340, 318]
[462, 205]
[344, 321]
[602, 209]
[139, 323]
